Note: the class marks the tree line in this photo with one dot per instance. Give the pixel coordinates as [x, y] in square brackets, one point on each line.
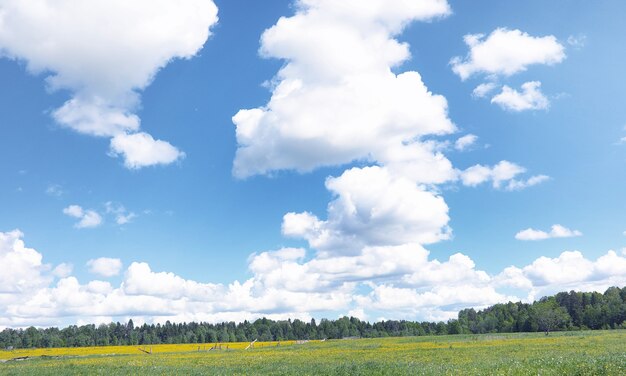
[563, 311]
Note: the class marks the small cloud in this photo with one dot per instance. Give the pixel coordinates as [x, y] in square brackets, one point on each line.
[484, 89]
[88, 218]
[506, 52]
[465, 142]
[54, 190]
[73, 211]
[141, 150]
[122, 216]
[502, 176]
[577, 42]
[530, 98]
[63, 270]
[518, 185]
[105, 267]
[123, 219]
[557, 231]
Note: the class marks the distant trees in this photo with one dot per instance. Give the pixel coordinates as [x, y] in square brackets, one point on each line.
[564, 311]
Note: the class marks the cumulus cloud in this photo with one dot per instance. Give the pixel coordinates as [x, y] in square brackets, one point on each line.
[506, 52]
[399, 282]
[465, 142]
[530, 98]
[63, 270]
[502, 176]
[105, 53]
[141, 150]
[483, 89]
[22, 267]
[104, 266]
[371, 208]
[557, 231]
[87, 218]
[335, 101]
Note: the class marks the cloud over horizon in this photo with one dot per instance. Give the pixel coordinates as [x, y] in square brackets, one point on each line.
[397, 281]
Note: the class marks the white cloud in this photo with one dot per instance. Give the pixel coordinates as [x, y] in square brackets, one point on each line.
[557, 231]
[104, 266]
[141, 150]
[372, 208]
[530, 98]
[502, 175]
[518, 185]
[63, 270]
[465, 142]
[335, 101]
[21, 267]
[577, 41]
[105, 53]
[483, 89]
[54, 190]
[122, 216]
[88, 218]
[122, 219]
[398, 282]
[74, 211]
[506, 52]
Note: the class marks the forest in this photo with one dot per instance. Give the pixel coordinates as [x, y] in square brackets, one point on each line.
[563, 311]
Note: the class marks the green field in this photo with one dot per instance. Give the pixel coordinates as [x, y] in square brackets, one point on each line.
[567, 353]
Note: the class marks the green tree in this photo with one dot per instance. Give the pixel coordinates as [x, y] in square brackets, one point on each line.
[550, 316]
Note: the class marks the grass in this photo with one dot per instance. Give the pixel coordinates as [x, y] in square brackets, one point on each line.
[570, 353]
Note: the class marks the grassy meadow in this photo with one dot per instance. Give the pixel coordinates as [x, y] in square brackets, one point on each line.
[565, 353]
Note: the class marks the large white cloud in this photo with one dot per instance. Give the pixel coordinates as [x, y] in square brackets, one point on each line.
[372, 208]
[506, 52]
[105, 52]
[337, 100]
[400, 282]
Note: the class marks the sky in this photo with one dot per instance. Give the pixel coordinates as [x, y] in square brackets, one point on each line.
[230, 160]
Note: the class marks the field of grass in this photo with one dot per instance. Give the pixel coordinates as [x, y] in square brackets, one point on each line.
[571, 353]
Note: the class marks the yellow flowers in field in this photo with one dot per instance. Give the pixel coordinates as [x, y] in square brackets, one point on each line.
[517, 354]
[131, 350]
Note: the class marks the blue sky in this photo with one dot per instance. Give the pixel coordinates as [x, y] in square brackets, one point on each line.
[345, 190]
